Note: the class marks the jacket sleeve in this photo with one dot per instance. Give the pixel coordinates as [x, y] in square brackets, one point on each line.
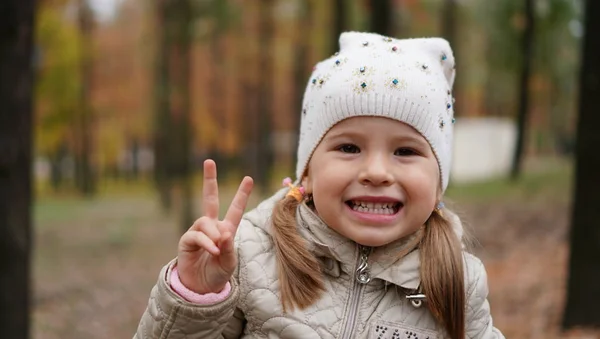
[170, 316]
[479, 323]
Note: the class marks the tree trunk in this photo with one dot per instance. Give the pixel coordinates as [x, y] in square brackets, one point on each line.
[265, 148]
[449, 20]
[84, 176]
[162, 122]
[134, 149]
[527, 45]
[217, 97]
[583, 292]
[251, 76]
[300, 70]
[16, 85]
[340, 23]
[179, 69]
[381, 17]
[491, 105]
[449, 32]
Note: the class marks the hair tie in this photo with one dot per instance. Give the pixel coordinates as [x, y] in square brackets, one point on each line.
[439, 207]
[297, 192]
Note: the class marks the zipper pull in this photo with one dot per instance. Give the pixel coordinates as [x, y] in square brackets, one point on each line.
[363, 275]
[416, 299]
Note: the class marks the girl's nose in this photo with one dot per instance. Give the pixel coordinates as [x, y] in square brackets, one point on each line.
[376, 171]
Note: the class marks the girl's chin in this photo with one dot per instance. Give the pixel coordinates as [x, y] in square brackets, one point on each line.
[372, 239]
[372, 242]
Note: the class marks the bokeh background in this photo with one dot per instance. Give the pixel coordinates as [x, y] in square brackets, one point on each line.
[131, 96]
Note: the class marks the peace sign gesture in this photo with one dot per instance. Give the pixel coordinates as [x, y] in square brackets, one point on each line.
[206, 256]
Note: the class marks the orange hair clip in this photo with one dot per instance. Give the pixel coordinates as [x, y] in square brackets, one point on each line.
[297, 192]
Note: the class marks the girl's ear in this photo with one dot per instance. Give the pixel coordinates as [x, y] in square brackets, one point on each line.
[307, 184]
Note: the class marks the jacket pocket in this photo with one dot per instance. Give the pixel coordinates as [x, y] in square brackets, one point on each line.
[387, 330]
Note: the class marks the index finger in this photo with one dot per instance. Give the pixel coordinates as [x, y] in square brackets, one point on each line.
[210, 190]
[239, 202]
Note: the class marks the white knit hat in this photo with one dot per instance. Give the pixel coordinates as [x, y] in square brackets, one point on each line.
[372, 75]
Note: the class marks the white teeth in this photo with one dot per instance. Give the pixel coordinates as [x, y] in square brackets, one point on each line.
[373, 205]
[373, 208]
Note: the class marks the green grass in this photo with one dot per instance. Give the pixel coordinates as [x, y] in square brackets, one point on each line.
[59, 209]
[548, 182]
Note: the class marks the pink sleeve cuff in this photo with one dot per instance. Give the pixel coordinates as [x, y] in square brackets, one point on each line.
[191, 296]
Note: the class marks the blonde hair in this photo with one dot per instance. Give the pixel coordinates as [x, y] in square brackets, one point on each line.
[300, 279]
[441, 271]
[442, 274]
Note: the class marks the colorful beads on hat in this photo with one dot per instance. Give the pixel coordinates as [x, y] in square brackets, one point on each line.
[339, 62]
[362, 87]
[444, 57]
[387, 39]
[394, 49]
[320, 80]
[453, 120]
[363, 71]
[365, 43]
[395, 83]
[424, 67]
[442, 123]
[448, 106]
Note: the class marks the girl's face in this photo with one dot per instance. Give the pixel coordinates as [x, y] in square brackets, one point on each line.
[373, 179]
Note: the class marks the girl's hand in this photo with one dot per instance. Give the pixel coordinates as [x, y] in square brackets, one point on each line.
[206, 254]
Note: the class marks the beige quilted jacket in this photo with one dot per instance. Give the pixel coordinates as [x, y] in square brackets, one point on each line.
[349, 309]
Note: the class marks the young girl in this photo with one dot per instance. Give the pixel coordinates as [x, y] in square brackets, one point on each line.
[360, 246]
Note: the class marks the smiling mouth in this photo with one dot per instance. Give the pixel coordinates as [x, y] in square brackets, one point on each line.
[385, 208]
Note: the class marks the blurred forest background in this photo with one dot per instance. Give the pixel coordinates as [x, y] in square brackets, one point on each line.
[131, 96]
[136, 86]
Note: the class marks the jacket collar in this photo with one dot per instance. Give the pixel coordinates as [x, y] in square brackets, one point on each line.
[384, 262]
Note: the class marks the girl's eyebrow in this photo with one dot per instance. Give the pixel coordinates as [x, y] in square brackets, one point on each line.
[345, 134]
[412, 138]
[358, 135]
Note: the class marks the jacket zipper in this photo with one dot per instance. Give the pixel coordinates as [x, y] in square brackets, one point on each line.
[361, 278]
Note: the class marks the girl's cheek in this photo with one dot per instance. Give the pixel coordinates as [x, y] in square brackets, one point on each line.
[425, 182]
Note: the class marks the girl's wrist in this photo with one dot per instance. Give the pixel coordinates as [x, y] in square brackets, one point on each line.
[194, 297]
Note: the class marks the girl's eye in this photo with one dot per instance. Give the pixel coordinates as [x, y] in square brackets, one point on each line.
[349, 148]
[404, 152]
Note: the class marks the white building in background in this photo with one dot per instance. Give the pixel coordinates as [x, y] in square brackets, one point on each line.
[483, 149]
